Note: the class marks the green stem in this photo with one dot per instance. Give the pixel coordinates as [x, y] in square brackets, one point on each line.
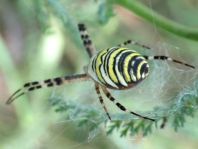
[153, 17]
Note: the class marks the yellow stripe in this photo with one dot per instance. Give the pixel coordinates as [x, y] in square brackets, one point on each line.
[98, 63]
[111, 60]
[139, 67]
[126, 64]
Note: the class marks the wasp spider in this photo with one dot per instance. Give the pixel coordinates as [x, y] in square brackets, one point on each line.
[116, 68]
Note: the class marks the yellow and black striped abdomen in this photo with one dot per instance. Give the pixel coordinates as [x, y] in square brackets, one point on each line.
[118, 68]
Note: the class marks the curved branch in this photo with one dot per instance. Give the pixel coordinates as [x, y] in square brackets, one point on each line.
[161, 21]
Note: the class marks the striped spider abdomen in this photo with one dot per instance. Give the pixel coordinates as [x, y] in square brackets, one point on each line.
[118, 68]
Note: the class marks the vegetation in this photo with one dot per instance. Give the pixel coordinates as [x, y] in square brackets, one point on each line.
[39, 40]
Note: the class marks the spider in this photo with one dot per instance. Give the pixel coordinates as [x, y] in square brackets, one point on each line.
[116, 68]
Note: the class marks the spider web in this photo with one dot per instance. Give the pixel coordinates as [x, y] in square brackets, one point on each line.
[165, 82]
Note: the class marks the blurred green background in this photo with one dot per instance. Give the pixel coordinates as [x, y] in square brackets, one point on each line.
[39, 40]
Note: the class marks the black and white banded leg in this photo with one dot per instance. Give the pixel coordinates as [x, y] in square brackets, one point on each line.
[121, 107]
[36, 85]
[88, 44]
[133, 43]
[97, 88]
[166, 58]
[160, 57]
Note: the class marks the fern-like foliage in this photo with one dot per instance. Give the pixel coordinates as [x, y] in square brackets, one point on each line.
[184, 106]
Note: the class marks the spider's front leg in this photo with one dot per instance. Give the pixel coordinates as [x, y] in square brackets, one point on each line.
[36, 85]
[133, 42]
[87, 42]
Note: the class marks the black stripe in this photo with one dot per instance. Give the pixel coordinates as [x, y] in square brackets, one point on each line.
[38, 87]
[121, 63]
[48, 81]
[121, 106]
[50, 84]
[106, 59]
[109, 96]
[107, 63]
[137, 61]
[127, 42]
[84, 36]
[97, 88]
[35, 83]
[101, 100]
[144, 69]
[58, 81]
[101, 76]
[161, 57]
[101, 58]
[130, 66]
[31, 88]
[84, 42]
[81, 27]
[92, 65]
[26, 84]
[95, 64]
[87, 42]
[145, 56]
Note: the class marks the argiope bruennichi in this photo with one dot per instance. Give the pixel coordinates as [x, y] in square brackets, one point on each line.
[115, 68]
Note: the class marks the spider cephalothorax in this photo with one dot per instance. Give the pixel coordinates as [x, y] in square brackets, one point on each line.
[116, 68]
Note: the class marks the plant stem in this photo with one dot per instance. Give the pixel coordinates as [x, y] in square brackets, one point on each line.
[159, 20]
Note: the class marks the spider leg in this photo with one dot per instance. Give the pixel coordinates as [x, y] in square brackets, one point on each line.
[133, 43]
[86, 40]
[121, 107]
[160, 57]
[35, 85]
[101, 100]
[166, 58]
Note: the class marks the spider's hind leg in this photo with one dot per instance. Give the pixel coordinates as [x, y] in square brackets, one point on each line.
[121, 107]
[101, 100]
[166, 58]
